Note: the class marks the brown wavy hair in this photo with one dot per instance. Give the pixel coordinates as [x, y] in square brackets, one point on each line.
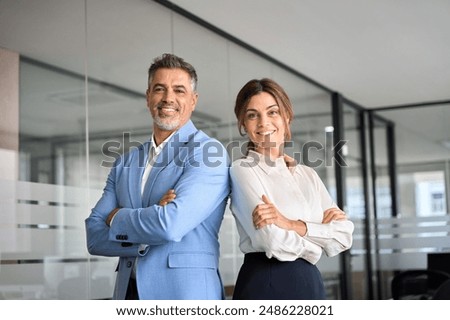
[256, 86]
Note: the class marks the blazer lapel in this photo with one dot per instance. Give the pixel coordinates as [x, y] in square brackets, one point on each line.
[136, 170]
[169, 153]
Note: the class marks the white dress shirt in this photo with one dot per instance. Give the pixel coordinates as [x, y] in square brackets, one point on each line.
[153, 154]
[299, 195]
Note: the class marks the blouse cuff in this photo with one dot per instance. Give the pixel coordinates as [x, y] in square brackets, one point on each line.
[318, 230]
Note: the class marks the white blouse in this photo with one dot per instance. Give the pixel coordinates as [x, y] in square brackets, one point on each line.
[298, 195]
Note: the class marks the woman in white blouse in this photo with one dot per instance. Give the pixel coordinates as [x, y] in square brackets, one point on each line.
[284, 214]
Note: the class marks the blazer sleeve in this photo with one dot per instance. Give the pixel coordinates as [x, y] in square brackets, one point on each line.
[285, 245]
[202, 188]
[97, 231]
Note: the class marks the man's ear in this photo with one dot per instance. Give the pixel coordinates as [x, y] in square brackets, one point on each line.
[194, 100]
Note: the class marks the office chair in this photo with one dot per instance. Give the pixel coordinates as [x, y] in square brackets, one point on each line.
[443, 292]
[417, 284]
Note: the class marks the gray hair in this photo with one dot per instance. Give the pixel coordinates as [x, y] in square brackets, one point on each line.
[171, 61]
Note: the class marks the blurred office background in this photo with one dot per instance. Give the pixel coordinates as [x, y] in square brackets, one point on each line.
[373, 75]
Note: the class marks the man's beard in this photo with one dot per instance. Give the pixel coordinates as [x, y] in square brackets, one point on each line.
[168, 126]
[168, 123]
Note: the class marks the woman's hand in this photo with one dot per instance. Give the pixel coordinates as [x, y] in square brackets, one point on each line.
[169, 196]
[266, 213]
[333, 214]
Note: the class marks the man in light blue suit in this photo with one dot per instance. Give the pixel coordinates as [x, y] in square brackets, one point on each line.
[164, 201]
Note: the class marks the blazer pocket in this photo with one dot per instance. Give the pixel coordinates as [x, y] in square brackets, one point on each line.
[204, 260]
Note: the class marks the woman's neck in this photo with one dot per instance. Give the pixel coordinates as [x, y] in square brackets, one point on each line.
[271, 153]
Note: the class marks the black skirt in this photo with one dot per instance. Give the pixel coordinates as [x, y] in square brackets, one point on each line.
[261, 278]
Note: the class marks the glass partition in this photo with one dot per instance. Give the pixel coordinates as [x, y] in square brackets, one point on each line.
[42, 248]
[381, 148]
[421, 226]
[356, 198]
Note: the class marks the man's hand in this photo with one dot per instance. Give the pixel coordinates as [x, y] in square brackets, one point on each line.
[169, 196]
[111, 216]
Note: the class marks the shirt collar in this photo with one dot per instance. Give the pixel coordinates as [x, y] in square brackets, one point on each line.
[157, 149]
[265, 163]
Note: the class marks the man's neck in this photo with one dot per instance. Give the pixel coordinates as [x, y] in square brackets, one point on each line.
[160, 135]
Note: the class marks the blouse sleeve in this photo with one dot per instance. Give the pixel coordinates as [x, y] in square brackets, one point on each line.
[335, 236]
[285, 245]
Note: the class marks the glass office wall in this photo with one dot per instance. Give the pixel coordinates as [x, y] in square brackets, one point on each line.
[396, 190]
[381, 145]
[355, 198]
[42, 248]
[82, 85]
[421, 226]
[423, 155]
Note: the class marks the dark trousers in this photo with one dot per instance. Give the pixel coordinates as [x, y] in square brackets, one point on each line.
[132, 292]
[261, 278]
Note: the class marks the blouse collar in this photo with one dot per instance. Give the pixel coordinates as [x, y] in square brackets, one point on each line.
[265, 163]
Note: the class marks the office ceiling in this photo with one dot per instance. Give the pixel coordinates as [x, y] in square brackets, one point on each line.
[377, 53]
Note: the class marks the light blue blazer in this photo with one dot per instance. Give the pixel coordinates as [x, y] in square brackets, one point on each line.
[181, 258]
